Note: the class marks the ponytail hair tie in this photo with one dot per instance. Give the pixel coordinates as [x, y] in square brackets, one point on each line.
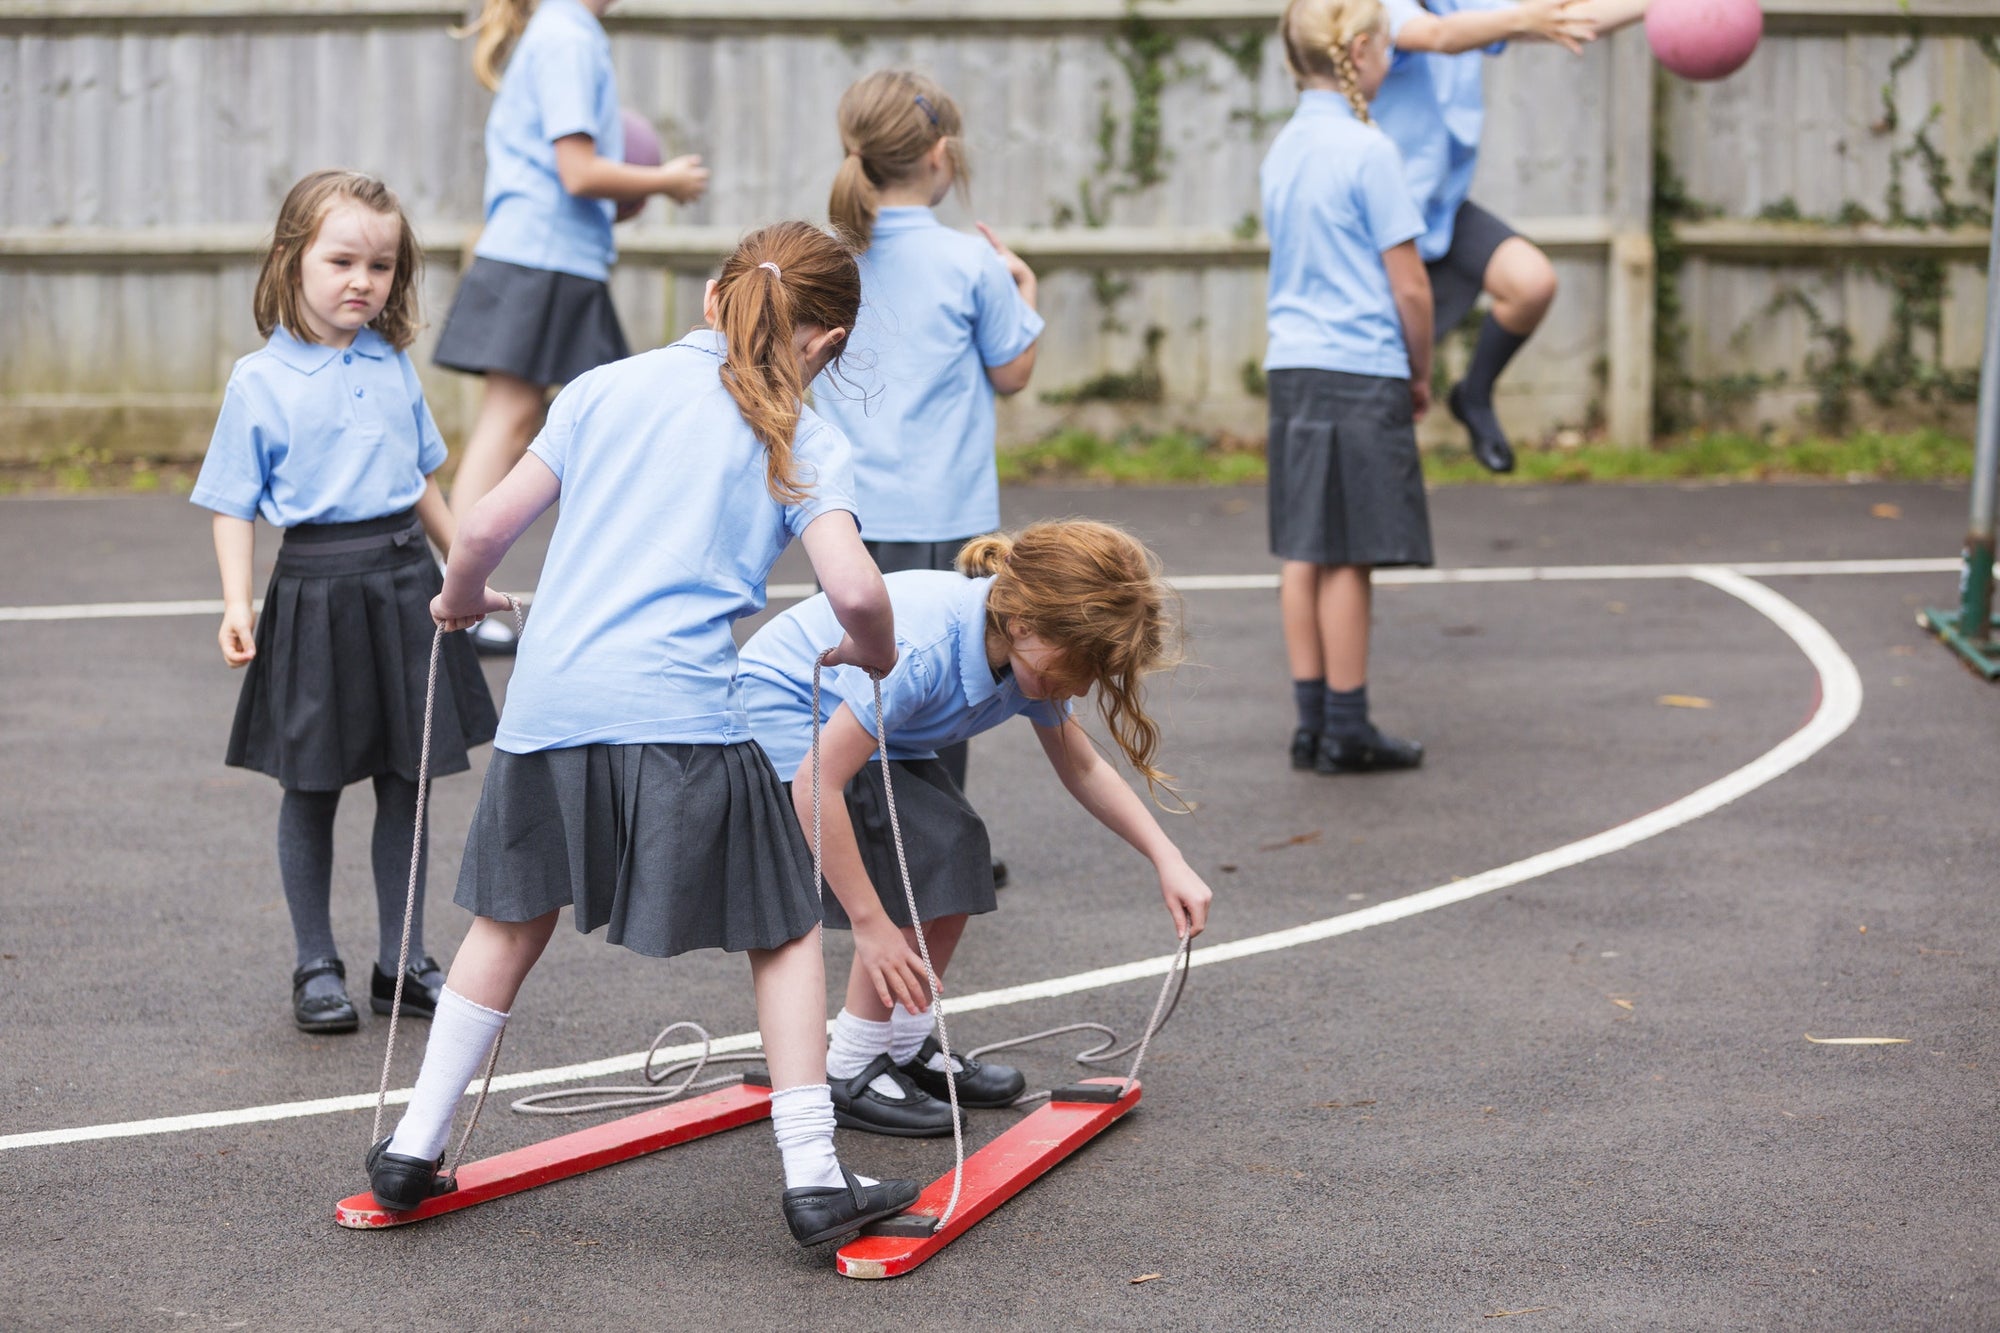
[775, 270]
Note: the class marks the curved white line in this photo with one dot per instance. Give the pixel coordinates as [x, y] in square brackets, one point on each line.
[1839, 705]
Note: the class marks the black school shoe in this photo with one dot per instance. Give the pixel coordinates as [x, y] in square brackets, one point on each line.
[818, 1213]
[1489, 441]
[1305, 749]
[1371, 752]
[915, 1115]
[980, 1086]
[423, 985]
[400, 1183]
[323, 1013]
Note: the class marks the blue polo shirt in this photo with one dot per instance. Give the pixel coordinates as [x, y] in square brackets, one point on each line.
[665, 538]
[941, 692]
[317, 434]
[558, 82]
[1433, 107]
[1334, 200]
[937, 309]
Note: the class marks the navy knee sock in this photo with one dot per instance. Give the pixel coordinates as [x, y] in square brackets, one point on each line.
[1309, 697]
[1346, 713]
[1490, 355]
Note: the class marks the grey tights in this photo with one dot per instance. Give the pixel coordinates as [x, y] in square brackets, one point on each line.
[305, 864]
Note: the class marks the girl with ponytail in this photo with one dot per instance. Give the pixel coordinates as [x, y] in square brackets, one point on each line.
[534, 309]
[1349, 362]
[1031, 621]
[624, 782]
[947, 322]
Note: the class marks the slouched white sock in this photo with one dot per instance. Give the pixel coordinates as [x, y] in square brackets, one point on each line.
[462, 1036]
[802, 1118]
[907, 1032]
[855, 1042]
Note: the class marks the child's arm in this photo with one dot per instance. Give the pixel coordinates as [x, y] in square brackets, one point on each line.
[1099, 789]
[879, 947]
[494, 524]
[1564, 22]
[585, 171]
[434, 512]
[1013, 377]
[1608, 16]
[235, 553]
[1410, 284]
[855, 590]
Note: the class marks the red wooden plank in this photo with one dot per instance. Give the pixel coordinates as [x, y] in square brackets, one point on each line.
[573, 1154]
[993, 1175]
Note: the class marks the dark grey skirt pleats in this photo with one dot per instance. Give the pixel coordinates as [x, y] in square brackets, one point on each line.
[1346, 484]
[532, 323]
[1459, 275]
[668, 847]
[336, 691]
[951, 859]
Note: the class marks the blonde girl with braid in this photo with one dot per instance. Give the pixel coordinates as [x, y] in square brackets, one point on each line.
[625, 784]
[948, 323]
[534, 309]
[1349, 361]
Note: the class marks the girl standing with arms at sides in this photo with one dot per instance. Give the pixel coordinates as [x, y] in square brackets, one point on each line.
[625, 782]
[534, 309]
[1433, 106]
[947, 321]
[1349, 362]
[325, 433]
[1034, 620]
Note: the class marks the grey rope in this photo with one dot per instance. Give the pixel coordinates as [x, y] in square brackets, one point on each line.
[410, 907]
[612, 1097]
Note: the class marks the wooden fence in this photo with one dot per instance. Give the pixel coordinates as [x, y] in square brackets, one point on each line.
[1801, 240]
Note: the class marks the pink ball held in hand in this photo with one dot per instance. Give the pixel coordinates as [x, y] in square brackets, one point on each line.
[642, 149]
[1704, 39]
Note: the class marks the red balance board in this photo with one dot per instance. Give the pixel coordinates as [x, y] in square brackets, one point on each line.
[996, 1173]
[573, 1154]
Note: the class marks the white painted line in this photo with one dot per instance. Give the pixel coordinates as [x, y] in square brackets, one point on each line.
[792, 592]
[1839, 704]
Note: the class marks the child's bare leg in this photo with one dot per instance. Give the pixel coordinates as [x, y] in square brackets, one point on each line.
[509, 410]
[1522, 283]
[1298, 609]
[791, 1009]
[1351, 743]
[1346, 599]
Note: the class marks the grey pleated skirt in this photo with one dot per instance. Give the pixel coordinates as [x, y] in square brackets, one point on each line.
[669, 847]
[951, 859]
[532, 323]
[1459, 275]
[335, 693]
[1346, 485]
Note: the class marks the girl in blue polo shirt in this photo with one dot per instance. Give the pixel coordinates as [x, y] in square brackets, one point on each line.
[1034, 620]
[947, 322]
[325, 433]
[1349, 368]
[534, 309]
[1433, 106]
[625, 782]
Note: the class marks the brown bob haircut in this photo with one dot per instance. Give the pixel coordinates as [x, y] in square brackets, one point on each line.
[278, 302]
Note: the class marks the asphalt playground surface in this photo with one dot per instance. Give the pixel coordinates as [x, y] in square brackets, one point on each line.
[1584, 1101]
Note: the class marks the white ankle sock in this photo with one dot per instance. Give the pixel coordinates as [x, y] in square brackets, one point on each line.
[462, 1036]
[855, 1042]
[802, 1118]
[907, 1032]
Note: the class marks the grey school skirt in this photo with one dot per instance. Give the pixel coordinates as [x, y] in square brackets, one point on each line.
[1459, 275]
[532, 323]
[336, 691]
[1346, 486]
[671, 847]
[951, 860]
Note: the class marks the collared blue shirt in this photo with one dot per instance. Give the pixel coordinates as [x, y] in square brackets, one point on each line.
[1334, 200]
[937, 309]
[559, 82]
[316, 434]
[1433, 107]
[665, 538]
[941, 692]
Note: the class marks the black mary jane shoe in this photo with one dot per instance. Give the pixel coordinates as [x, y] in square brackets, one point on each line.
[1372, 752]
[421, 987]
[981, 1086]
[914, 1115]
[401, 1183]
[323, 1013]
[1305, 749]
[1482, 424]
[999, 873]
[817, 1214]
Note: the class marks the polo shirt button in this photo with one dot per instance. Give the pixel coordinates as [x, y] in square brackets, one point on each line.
[358, 392]
[347, 360]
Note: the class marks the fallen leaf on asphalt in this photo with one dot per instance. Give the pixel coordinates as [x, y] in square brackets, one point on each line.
[1508, 1314]
[1147, 1277]
[1622, 1004]
[1615, 608]
[1683, 701]
[1857, 1041]
[1886, 511]
[1296, 840]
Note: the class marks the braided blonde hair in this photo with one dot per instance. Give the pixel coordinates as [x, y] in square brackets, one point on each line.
[1318, 37]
